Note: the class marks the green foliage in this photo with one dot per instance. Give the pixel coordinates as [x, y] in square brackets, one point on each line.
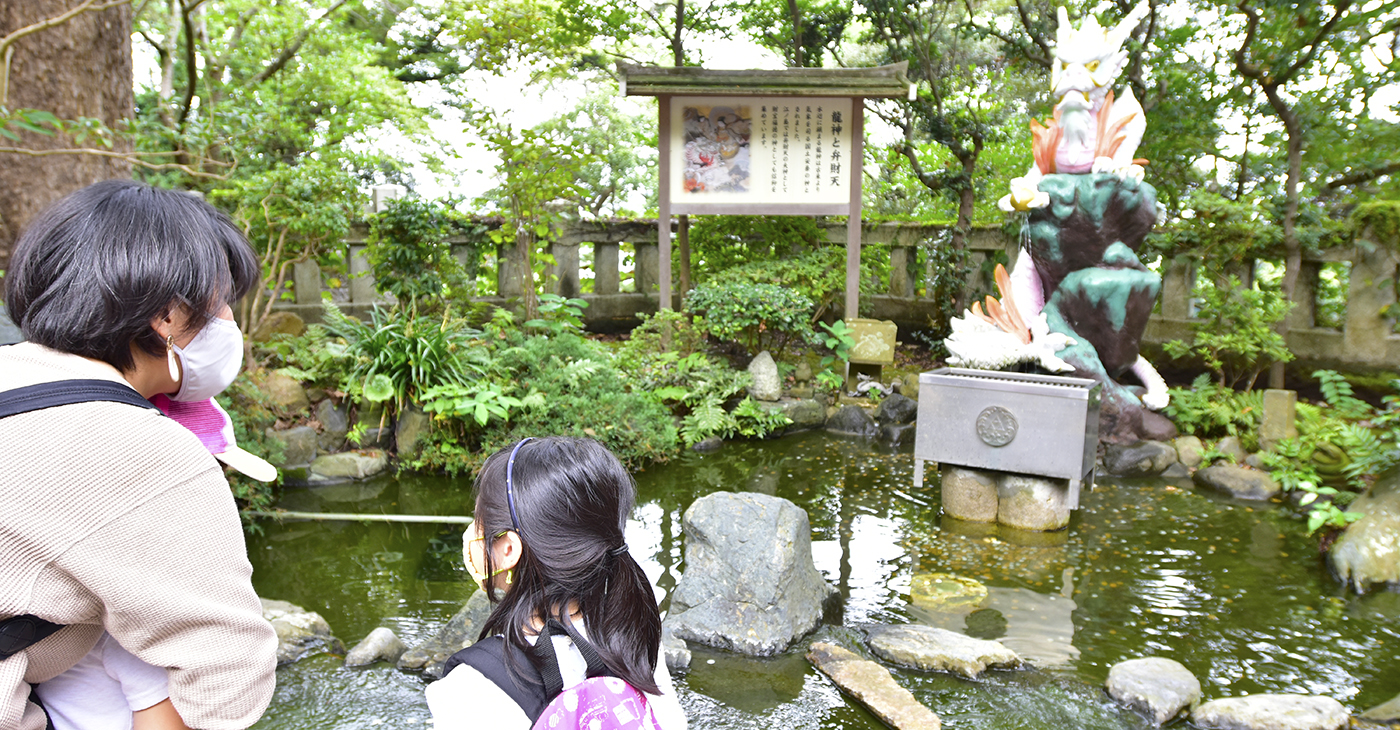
[829, 381]
[251, 412]
[748, 419]
[839, 338]
[313, 357]
[1339, 394]
[758, 316]
[1211, 411]
[818, 274]
[1235, 333]
[615, 152]
[408, 252]
[667, 331]
[822, 27]
[1219, 231]
[721, 242]
[1291, 468]
[559, 314]
[480, 402]
[1381, 218]
[412, 353]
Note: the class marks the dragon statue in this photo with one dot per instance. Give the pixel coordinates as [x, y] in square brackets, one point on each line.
[1087, 212]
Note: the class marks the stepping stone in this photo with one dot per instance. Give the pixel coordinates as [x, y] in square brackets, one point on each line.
[1157, 687]
[1271, 712]
[872, 686]
[925, 647]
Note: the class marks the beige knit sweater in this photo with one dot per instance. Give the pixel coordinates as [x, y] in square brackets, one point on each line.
[113, 516]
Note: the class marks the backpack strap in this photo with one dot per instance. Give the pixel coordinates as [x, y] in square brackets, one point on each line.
[549, 661]
[18, 633]
[68, 392]
[488, 657]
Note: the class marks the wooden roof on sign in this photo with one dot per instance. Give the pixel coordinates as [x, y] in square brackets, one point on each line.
[880, 82]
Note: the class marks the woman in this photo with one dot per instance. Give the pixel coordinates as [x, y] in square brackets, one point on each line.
[115, 517]
[547, 546]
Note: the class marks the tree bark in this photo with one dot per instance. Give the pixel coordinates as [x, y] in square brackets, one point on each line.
[79, 69]
[1293, 250]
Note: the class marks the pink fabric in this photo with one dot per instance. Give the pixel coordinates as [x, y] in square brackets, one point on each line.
[203, 418]
[597, 704]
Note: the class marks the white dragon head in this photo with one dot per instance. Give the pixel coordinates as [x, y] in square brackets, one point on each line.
[1089, 58]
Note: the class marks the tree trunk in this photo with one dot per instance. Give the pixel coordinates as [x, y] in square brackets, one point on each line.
[79, 69]
[795, 14]
[1293, 252]
[677, 39]
[683, 240]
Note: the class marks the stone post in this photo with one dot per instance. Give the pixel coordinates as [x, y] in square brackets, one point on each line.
[306, 278]
[1366, 332]
[647, 267]
[901, 282]
[1304, 315]
[975, 259]
[465, 254]
[565, 269]
[1176, 288]
[1279, 420]
[508, 272]
[605, 271]
[361, 280]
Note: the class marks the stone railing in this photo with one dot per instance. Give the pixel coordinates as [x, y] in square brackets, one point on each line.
[1364, 340]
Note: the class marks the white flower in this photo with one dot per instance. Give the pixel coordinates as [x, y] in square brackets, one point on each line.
[1024, 196]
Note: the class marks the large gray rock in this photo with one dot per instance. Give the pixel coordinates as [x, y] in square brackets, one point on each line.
[286, 394]
[1387, 713]
[1189, 451]
[969, 494]
[896, 409]
[925, 647]
[1232, 449]
[871, 685]
[278, 323]
[300, 632]
[458, 633]
[350, 464]
[852, 420]
[382, 645]
[335, 423]
[707, 445]
[898, 434]
[804, 413]
[1368, 553]
[410, 432]
[1237, 481]
[1033, 503]
[1142, 459]
[1271, 712]
[1157, 687]
[298, 445]
[675, 651]
[767, 385]
[749, 584]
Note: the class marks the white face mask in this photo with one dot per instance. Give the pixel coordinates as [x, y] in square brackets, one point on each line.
[211, 361]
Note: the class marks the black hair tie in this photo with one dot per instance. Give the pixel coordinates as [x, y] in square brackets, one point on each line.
[618, 551]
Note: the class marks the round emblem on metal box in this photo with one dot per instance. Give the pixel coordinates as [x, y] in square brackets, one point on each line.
[996, 426]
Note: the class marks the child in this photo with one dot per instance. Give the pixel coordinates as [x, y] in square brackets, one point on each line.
[547, 547]
[111, 689]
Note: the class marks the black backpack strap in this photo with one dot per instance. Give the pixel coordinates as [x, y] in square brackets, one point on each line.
[18, 633]
[488, 657]
[67, 392]
[549, 661]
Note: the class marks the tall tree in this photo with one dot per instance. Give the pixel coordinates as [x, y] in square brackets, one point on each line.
[804, 32]
[70, 59]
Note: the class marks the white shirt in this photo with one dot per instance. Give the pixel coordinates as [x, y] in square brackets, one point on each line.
[101, 691]
[466, 700]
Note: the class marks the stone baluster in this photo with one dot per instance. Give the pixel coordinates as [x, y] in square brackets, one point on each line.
[605, 269]
[901, 277]
[361, 280]
[1304, 314]
[509, 272]
[646, 267]
[306, 282]
[1366, 331]
[1177, 282]
[465, 254]
[564, 272]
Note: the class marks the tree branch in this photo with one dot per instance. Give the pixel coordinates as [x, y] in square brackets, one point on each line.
[123, 156]
[291, 50]
[191, 70]
[1363, 176]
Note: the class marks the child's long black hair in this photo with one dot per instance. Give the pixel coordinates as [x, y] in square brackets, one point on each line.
[572, 498]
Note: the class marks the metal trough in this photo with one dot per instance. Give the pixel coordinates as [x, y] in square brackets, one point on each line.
[1044, 425]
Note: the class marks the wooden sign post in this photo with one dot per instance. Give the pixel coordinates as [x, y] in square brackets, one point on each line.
[762, 143]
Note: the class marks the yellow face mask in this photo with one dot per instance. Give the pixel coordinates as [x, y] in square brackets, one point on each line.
[473, 534]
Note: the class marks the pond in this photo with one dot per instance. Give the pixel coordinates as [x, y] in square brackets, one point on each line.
[1234, 591]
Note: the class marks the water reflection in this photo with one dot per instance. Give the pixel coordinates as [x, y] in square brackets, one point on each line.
[1229, 589]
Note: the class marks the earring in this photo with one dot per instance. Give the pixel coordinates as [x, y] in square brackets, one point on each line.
[509, 575]
[170, 358]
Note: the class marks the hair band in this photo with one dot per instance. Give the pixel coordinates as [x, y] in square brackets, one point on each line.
[618, 551]
[510, 484]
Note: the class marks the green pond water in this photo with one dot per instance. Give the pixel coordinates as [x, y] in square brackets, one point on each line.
[1235, 591]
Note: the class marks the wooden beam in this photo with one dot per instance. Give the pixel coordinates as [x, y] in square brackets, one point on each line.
[663, 208]
[857, 157]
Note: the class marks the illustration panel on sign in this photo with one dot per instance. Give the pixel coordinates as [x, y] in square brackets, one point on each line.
[716, 149]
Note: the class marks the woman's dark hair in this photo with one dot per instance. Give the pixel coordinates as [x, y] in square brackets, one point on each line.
[91, 272]
[572, 499]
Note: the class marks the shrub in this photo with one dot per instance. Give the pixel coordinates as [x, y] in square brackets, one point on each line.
[819, 275]
[250, 410]
[1235, 335]
[408, 250]
[758, 316]
[1211, 410]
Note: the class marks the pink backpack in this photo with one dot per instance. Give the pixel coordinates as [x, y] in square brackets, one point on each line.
[598, 703]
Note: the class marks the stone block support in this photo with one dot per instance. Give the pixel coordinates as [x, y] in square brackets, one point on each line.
[361, 280]
[1304, 315]
[646, 271]
[605, 269]
[509, 271]
[1177, 281]
[306, 278]
[901, 280]
[564, 271]
[1366, 331]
